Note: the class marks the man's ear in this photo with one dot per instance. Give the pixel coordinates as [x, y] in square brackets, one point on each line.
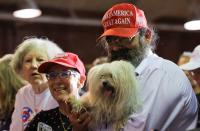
[148, 36]
[81, 81]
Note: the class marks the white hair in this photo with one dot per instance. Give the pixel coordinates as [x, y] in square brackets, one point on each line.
[37, 44]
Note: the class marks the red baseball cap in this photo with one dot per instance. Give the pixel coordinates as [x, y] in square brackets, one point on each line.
[67, 59]
[123, 20]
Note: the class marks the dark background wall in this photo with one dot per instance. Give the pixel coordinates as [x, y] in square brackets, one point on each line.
[82, 39]
[172, 44]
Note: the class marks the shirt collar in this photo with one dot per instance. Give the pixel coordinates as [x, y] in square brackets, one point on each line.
[143, 64]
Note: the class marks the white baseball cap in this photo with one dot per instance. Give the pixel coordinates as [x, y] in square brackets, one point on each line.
[194, 62]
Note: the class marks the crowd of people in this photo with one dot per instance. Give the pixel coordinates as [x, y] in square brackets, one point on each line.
[39, 78]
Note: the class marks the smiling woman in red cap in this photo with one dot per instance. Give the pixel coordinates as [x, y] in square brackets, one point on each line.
[168, 99]
[66, 75]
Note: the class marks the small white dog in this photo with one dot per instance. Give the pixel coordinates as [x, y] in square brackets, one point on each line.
[113, 94]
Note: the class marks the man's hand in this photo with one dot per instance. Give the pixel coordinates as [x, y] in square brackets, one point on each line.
[78, 120]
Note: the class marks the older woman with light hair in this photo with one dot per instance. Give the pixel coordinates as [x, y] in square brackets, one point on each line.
[35, 96]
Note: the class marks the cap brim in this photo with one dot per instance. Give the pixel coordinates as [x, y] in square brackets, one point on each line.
[44, 67]
[192, 65]
[121, 32]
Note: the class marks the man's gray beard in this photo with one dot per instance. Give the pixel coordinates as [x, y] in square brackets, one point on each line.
[135, 55]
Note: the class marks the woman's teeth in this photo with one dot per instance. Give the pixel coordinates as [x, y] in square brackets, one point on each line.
[60, 88]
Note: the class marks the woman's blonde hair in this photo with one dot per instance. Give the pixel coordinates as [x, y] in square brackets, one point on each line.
[10, 83]
[45, 45]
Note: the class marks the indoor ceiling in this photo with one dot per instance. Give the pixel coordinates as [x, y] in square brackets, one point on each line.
[165, 15]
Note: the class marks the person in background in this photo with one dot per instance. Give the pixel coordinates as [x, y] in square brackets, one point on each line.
[66, 75]
[97, 61]
[35, 96]
[10, 83]
[183, 59]
[193, 67]
[100, 60]
[169, 102]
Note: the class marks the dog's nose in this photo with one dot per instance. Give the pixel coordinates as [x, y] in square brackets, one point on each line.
[105, 83]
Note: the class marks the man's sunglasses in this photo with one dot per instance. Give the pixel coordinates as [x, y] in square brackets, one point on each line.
[119, 41]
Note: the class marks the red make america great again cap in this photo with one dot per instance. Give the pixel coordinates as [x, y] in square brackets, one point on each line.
[66, 59]
[123, 20]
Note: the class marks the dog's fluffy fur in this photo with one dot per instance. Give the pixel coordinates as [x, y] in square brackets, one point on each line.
[113, 93]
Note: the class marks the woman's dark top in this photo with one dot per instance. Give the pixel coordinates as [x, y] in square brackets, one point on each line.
[51, 120]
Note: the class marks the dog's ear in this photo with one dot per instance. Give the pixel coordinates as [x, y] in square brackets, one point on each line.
[81, 81]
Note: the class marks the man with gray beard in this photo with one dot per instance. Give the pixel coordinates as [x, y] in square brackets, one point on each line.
[169, 102]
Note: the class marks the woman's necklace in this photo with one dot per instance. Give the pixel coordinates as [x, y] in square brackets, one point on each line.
[63, 124]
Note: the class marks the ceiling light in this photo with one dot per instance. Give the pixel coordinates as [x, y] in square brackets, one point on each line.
[192, 25]
[27, 9]
[194, 17]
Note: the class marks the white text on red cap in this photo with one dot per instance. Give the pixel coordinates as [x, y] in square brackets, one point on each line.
[124, 20]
